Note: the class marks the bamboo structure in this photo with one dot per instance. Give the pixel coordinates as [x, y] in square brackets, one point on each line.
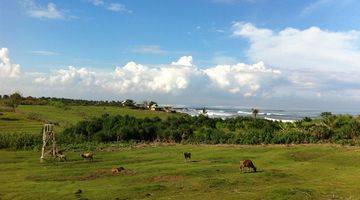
[49, 142]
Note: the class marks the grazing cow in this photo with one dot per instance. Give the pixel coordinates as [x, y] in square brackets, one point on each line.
[87, 156]
[116, 170]
[248, 164]
[61, 157]
[187, 156]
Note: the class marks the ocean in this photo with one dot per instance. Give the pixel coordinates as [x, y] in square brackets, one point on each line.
[270, 114]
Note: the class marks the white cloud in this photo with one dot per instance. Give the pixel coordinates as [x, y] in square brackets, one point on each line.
[247, 79]
[184, 61]
[49, 12]
[44, 53]
[149, 49]
[97, 2]
[327, 6]
[69, 77]
[178, 78]
[315, 6]
[7, 69]
[312, 48]
[181, 76]
[117, 7]
[135, 77]
[181, 80]
[313, 61]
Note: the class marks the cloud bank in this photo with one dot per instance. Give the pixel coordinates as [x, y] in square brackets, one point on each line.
[176, 78]
[317, 62]
[286, 65]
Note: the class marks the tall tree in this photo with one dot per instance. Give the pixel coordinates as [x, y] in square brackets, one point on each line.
[13, 101]
[255, 112]
[129, 103]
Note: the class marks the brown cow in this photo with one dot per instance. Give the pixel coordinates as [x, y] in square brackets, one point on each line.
[248, 164]
[87, 156]
[61, 157]
[116, 170]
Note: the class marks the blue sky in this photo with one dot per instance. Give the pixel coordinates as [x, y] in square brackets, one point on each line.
[99, 38]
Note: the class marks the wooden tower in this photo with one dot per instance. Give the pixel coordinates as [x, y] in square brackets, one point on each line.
[49, 142]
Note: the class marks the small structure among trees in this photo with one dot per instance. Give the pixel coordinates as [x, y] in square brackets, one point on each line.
[49, 143]
[154, 107]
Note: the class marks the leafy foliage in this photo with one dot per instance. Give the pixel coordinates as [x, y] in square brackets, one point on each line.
[201, 129]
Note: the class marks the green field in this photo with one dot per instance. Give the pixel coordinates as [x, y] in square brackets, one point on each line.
[30, 119]
[285, 172]
[318, 171]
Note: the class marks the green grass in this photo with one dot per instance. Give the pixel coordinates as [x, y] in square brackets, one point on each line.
[21, 120]
[294, 172]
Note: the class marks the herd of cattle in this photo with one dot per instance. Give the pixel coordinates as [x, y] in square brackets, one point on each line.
[244, 164]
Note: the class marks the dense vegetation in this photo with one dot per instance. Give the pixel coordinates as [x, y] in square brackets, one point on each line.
[9, 99]
[84, 124]
[23, 128]
[201, 129]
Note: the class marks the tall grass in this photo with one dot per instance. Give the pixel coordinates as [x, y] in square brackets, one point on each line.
[20, 140]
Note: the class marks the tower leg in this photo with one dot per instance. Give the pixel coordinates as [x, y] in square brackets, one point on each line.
[43, 148]
[54, 151]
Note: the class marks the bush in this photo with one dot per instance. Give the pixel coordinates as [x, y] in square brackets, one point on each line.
[20, 140]
[201, 129]
[34, 116]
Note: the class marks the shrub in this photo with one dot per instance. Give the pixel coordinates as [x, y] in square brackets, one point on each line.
[201, 129]
[20, 140]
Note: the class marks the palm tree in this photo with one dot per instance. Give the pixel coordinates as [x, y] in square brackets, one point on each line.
[254, 112]
[204, 111]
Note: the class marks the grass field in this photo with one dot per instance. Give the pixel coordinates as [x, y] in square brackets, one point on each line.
[30, 119]
[293, 172]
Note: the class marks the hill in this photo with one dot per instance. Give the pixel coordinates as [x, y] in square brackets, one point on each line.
[30, 118]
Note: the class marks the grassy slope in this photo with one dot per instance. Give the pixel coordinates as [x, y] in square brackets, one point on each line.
[297, 172]
[19, 122]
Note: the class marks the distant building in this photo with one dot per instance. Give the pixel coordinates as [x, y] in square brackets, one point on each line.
[168, 109]
[154, 107]
[141, 106]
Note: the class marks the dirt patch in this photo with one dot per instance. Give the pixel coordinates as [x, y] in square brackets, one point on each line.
[276, 173]
[305, 156]
[105, 173]
[96, 174]
[100, 173]
[168, 179]
[126, 172]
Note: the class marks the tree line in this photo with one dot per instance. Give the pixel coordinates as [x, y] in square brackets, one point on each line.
[15, 99]
[202, 129]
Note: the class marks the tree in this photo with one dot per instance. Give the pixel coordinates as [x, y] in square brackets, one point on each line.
[325, 114]
[204, 111]
[255, 112]
[129, 103]
[13, 101]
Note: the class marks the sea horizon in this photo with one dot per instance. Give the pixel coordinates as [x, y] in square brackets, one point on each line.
[284, 114]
